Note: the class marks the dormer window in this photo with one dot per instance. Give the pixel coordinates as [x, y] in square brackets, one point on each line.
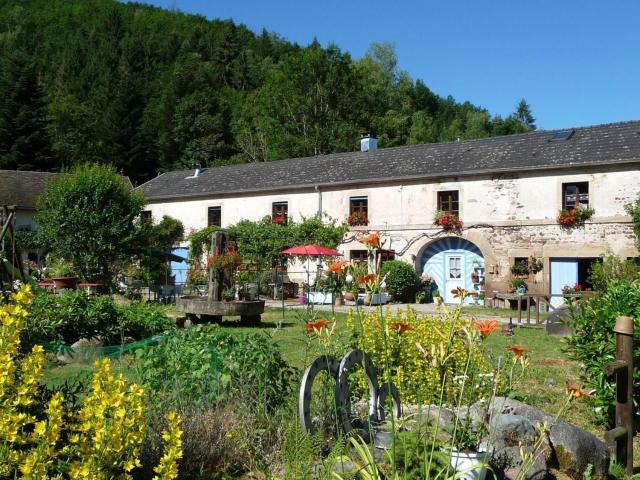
[574, 195]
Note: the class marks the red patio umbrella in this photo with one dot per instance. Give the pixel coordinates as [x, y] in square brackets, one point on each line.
[312, 251]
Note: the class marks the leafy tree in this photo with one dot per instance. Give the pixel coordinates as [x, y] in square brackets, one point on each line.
[155, 243]
[87, 218]
[633, 209]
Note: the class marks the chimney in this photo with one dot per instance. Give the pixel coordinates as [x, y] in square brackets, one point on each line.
[368, 142]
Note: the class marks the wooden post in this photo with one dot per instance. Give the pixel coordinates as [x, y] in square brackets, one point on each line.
[528, 309]
[623, 368]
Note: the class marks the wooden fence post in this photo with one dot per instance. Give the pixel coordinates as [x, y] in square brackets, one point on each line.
[624, 430]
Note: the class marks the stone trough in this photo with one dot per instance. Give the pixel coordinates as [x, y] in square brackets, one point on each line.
[193, 306]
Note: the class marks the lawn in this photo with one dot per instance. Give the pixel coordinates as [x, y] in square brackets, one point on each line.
[543, 386]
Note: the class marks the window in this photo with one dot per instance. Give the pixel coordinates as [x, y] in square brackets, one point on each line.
[574, 194]
[360, 205]
[279, 212]
[214, 217]
[358, 256]
[145, 215]
[455, 268]
[448, 202]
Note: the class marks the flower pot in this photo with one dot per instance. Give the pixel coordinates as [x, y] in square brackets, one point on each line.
[368, 298]
[350, 296]
[472, 463]
[437, 301]
[339, 301]
[65, 282]
[302, 299]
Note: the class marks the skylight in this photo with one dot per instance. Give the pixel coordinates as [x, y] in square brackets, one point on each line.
[562, 135]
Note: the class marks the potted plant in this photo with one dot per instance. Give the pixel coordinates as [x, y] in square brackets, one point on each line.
[447, 220]
[519, 285]
[437, 299]
[481, 298]
[466, 452]
[357, 219]
[62, 273]
[520, 270]
[575, 216]
[228, 294]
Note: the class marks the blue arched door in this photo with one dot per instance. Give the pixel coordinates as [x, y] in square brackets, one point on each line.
[453, 262]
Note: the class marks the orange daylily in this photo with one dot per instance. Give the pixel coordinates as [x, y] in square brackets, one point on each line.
[486, 327]
[518, 350]
[368, 278]
[371, 241]
[577, 392]
[316, 326]
[459, 292]
[338, 267]
[401, 327]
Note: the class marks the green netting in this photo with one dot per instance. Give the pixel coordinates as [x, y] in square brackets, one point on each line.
[90, 351]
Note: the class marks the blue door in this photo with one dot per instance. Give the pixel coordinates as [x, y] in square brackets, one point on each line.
[179, 268]
[564, 271]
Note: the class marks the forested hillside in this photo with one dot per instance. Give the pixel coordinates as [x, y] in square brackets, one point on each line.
[150, 90]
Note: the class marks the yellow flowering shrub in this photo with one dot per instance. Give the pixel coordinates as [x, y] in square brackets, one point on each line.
[416, 352]
[102, 441]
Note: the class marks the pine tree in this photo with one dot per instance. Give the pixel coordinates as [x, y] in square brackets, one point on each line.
[24, 142]
[524, 116]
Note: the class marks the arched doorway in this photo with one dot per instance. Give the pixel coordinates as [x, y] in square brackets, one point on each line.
[453, 262]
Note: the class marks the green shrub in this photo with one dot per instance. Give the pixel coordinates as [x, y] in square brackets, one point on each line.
[401, 280]
[593, 341]
[66, 318]
[202, 365]
[612, 268]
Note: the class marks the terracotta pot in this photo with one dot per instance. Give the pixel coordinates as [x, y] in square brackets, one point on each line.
[65, 282]
[350, 296]
[339, 301]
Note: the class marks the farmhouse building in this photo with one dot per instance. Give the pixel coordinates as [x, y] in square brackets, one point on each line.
[507, 191]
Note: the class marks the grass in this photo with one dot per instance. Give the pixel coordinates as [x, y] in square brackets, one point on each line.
[543, 386]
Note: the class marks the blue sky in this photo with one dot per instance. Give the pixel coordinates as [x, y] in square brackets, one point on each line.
[576, 62]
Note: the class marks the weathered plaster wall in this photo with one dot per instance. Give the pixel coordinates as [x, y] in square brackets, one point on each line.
[505, 216]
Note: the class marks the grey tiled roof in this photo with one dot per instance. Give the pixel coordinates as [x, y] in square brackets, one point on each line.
[601, 144]
[22, 188]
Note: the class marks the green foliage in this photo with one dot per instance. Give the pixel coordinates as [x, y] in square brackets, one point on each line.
[87, 218]
[261, 242]
[205, 366]
[151, 89]
[401, 280]
[155, 241]
[66, 318]
[633, 209]
[593, 341]
[610, 269]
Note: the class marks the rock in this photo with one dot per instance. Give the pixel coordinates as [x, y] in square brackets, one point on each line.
[559, 321]
[513, 429]
[79, 350]
[571, 449]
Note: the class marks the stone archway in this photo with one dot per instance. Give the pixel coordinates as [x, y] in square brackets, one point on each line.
[452, 262]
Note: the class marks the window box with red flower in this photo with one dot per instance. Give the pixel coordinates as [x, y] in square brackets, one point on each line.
[279, 220]
[358, 219]
[447, 220]
[575, 216]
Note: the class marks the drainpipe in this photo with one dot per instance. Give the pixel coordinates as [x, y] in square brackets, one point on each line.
[319, 214]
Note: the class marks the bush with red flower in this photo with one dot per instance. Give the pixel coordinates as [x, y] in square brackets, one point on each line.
[357, 219]
[575, 216]
[574, 289]
[447, 220]
[279, 220]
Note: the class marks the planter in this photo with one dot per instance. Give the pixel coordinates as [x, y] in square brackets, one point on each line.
[302, 299]
[437, 301]
[65, 282]
[472, 463]
[350, 296]
[368, 298]
[339, 301]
